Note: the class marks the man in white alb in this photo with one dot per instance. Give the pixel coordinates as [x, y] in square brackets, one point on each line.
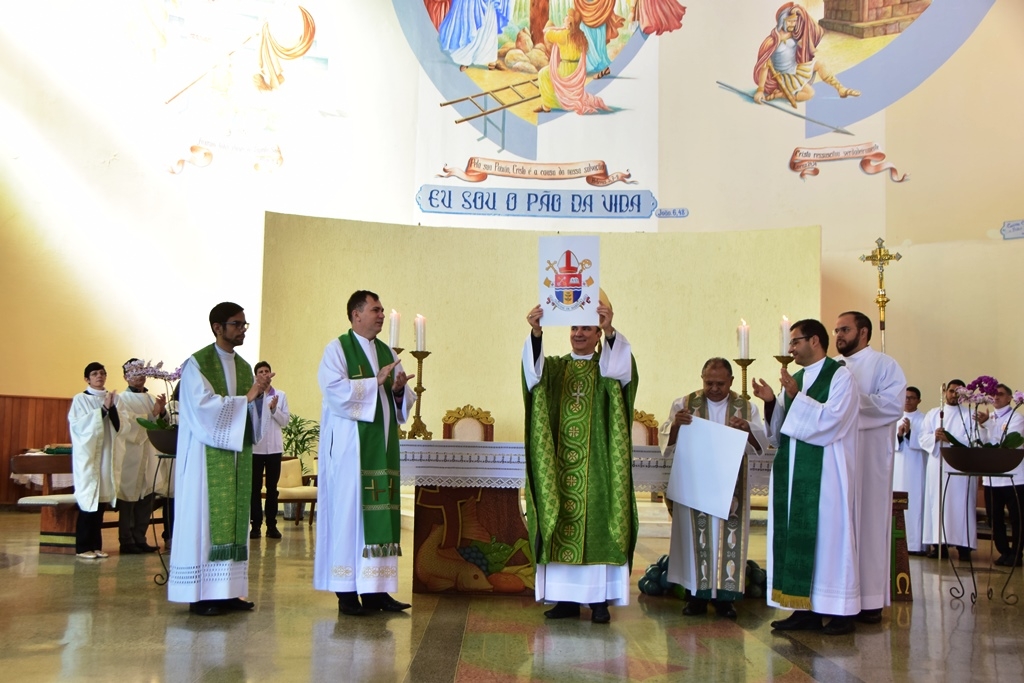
[882, 386]
[717, 546]
[960, 496]
[358, 531]
[213, 475]
[910, 463]
[812, 541]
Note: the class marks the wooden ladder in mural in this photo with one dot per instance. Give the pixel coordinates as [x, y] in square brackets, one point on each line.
[513, 94]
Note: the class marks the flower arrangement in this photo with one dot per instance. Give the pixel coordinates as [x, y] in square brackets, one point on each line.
[982, 391]
[139, 368]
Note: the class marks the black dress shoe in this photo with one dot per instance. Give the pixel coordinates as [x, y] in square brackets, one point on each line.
[383, 602]
[130, 549]
[963, 552]
[255, 533]
[146, 548]
[564, 610]
[236, 604]
[840, 626]
[868, 616]
[695, 607]
[725, 609]
[801, 620]
[600, 614]
[272, 532]
[348, 604]
[206, 608]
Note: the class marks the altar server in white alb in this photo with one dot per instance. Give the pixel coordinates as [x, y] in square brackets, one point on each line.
[218, 424]
[136, 461]
[1004, 493]
[910, 464]
[94, 422]
[718, 547]
[882, 386]
[359, 527]
[961, 494]
[812, 538]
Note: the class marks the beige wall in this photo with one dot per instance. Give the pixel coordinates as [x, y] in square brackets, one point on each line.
[677, 297]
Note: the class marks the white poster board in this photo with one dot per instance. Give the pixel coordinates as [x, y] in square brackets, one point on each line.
[707, 459]
[568, 279]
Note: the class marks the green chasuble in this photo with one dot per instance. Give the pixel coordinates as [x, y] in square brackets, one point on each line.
[731, 555]
[795, 515]
[580, 505]
[379, 461]
[228, 474]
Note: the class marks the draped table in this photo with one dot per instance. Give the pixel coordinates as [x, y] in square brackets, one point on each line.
[469, 531]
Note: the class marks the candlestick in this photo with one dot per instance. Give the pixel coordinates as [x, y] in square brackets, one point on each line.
[784, 337]
[396, 320]
[785, 360]
[420, 327]
[743, 363]
[743, 335]
[418, 429]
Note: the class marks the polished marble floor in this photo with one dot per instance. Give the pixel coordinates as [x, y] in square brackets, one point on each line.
[63, 619]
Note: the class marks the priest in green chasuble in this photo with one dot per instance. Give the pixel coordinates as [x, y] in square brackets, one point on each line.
[813, 562]
[217, 426]
[581, 510]
[708, 554]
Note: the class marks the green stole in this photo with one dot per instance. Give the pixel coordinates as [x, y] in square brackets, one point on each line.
[228, 473]
[733, 539]
[795, 517]
[579, 453]
[378, 461]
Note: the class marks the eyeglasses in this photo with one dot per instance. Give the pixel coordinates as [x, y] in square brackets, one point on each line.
[238, 323]
[794, 340]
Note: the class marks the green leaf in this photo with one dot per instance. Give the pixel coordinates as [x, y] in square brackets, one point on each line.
[149, 424]
[952, 440]
[1013, 440]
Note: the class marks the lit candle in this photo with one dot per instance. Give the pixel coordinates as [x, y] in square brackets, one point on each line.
[420, 326]
[396, 320]
[743, 334]
[784, 337]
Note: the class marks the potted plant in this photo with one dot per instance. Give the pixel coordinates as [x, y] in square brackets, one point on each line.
[301, 437]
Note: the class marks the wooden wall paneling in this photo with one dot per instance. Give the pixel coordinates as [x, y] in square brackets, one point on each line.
[28, 422]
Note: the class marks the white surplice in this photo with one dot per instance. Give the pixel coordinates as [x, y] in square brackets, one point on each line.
[995, 428]
[92, 450]
[682, 566]
[835, 583]
[960, 499]
[205, 419]
[909, 470]
[339, 565]
[135, 458]
[583, 583]
[883, 390]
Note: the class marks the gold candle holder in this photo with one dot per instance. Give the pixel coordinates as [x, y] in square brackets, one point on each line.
[397, 349]
[785, 360]
[743, 363]
[418, 429]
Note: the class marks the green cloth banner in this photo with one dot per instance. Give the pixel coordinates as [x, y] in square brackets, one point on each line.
[228, 474]
[379, 461]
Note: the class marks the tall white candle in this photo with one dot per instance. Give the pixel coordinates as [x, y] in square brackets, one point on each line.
[743, 334]
[396, 320]
[420, 325]
[784, 337]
